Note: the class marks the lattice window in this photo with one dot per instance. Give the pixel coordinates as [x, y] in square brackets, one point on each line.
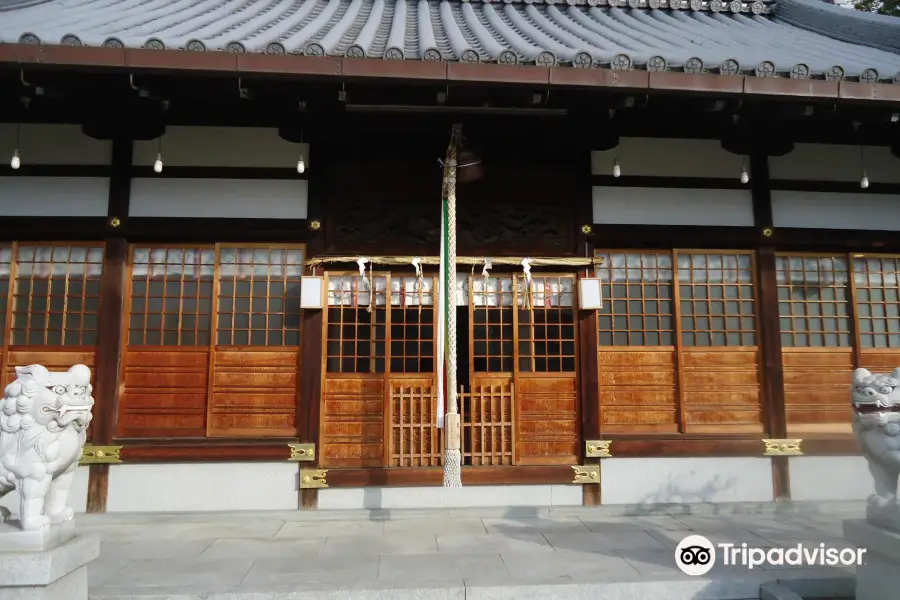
[57, 295]
[639, 310]
[546, 325]
[813, 301]
[878, 321]
[171, 296]
[716, 294]
[259, 296]
[412, 324]
[492, 324]
[357, 324]
[5, 270]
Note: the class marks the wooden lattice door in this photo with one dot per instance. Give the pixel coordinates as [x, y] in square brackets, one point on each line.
[546, 379]
[522, 408]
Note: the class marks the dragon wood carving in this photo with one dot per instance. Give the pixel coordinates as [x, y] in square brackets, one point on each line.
[876, 423]
[43, 422]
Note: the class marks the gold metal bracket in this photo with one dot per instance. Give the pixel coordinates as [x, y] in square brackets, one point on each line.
[597, 448]
[788, 447]
[302, 452]
[586, 474]
[100, 455]
[311, 479]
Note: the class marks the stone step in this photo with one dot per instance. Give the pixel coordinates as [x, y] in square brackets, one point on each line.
[804, 586]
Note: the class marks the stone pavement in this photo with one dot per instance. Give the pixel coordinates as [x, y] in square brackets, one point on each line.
[466, 554]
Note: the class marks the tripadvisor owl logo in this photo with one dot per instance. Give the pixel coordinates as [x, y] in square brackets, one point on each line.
[695, 555]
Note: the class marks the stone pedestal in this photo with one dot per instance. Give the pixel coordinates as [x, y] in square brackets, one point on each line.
[50, 564]
[879, 577]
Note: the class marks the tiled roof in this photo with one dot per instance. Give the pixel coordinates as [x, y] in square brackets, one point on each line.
[725, 36]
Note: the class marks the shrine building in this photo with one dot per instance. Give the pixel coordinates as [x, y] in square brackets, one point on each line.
[678, 232]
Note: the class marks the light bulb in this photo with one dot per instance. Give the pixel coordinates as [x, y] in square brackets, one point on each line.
[301, 166]
[617, 170]
[15, 162]
[158, 165]
[864, 181]
[745, 177]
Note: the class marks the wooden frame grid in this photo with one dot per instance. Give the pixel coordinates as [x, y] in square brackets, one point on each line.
[493, 323]
[357, 340]
[170, 295]
[877, 298]
[488, 422]
[415, 439]
[546, 343]
[412, 324]
[259, 294]
[814, 302]
[716, 298]
[640, 295]
[56, 294]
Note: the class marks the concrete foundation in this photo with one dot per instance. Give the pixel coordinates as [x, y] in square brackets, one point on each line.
[45, 565]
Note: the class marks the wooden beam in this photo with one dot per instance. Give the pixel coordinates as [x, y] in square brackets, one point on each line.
[684, 446]
[548, 475]
[623, 445]
[109, 328]
[204, 451]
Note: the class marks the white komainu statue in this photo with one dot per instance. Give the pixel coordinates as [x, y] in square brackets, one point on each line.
[876, 423]
[43, 420]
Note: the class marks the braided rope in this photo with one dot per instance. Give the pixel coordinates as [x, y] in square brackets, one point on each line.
[452, 455]
[452, 406]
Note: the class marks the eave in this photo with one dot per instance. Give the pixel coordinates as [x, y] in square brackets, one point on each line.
[31, 56]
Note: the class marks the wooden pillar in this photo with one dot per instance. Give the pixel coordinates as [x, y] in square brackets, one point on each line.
[768, 326]
[109, 327]
[589, 386]
[311, 347]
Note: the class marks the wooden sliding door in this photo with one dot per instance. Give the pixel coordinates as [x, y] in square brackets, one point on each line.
[678, 347]
[379, 401]
[522, 407]
[814, 306]
[212, 341]
[50, 297]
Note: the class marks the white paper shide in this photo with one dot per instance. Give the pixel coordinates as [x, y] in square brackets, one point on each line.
[44, 417]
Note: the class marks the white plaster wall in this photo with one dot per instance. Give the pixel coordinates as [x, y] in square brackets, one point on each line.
[53, 145]
[672, 206]
[818, 210]
[822, 478]
[823, 162]
[77, 493]
[54, 196]
[474, 496]
[222, 198]
[203, 487]
[685, 480]
[221, 147]
[663, 157]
